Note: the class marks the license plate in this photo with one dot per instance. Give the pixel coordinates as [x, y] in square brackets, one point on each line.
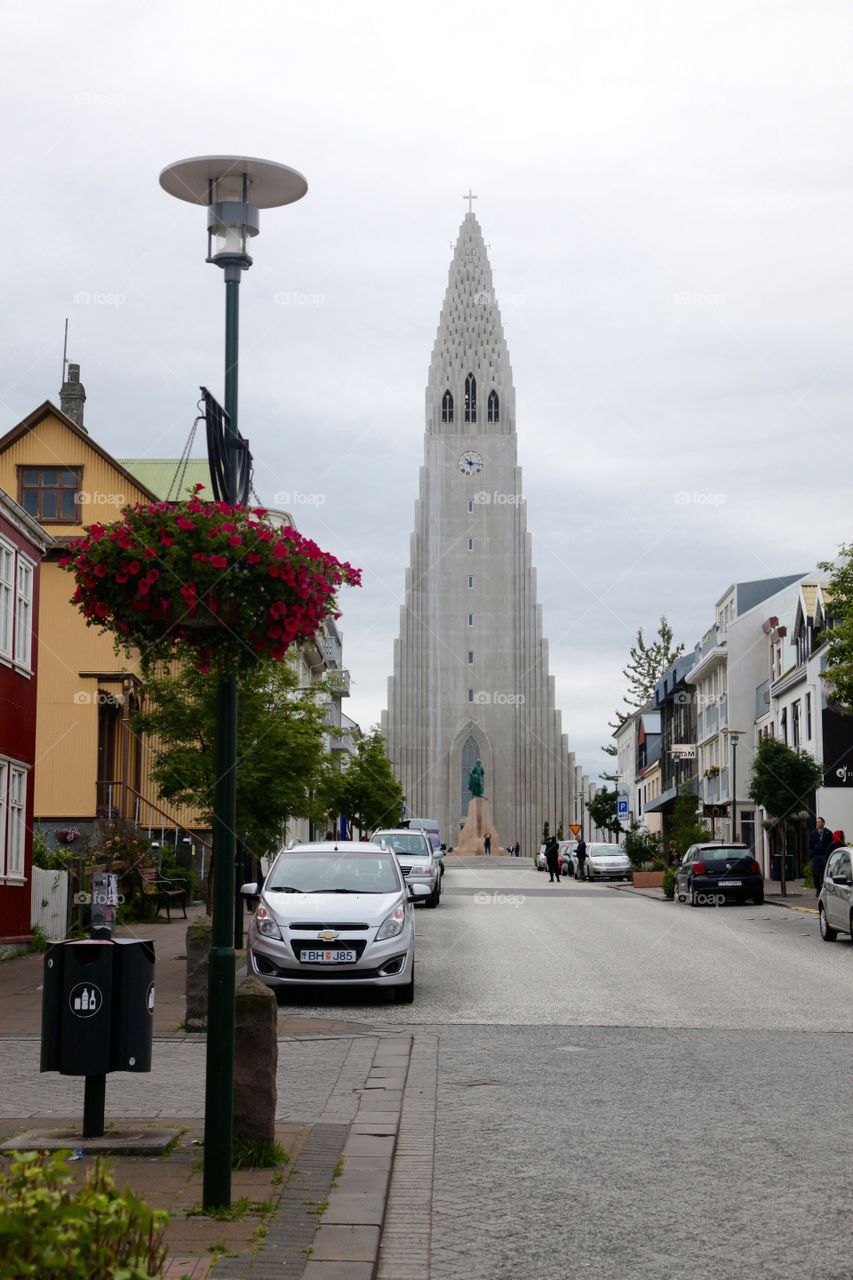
[730, 884]
[328, 957]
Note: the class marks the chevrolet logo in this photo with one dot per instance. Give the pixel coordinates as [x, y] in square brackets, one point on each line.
[328, 935]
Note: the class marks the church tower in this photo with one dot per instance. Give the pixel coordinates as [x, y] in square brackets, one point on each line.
[471, 675]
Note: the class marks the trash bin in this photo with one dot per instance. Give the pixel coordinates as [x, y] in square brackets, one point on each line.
[97, 1014]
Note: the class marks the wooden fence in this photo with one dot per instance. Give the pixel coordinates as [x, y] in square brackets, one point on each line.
[49, 902]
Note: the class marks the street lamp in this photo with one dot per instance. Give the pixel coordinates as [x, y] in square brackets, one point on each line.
[234, 189]
[734, 737]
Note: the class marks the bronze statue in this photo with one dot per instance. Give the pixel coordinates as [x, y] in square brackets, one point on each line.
[476, 779]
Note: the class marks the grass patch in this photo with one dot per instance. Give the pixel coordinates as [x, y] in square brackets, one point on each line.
[233, 1212]
[173, 1142]
[318, 1207]
[253, 1153]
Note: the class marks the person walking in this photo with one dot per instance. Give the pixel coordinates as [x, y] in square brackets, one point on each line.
[820, 846]
[580, 854]
[487, 844]
[516, 850]
[552, 853]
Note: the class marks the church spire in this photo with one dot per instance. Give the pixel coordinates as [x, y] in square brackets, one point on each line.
[470, 389]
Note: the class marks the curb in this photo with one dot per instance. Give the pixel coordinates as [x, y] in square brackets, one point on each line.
[346, 1246]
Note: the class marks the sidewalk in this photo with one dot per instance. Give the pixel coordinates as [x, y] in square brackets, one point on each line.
[798, 897]
[340, 1094]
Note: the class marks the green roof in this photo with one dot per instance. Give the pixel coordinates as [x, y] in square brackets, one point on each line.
[162, 476]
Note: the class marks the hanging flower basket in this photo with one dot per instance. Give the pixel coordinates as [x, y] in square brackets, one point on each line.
[215, 580]
[67, 835]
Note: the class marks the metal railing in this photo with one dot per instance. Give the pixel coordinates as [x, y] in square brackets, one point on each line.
[119, 801]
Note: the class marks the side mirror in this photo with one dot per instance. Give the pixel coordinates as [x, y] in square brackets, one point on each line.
[249, 890]
[841, 880]
[418, 891]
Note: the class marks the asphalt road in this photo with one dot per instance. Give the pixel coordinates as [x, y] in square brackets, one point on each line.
[624, 1087]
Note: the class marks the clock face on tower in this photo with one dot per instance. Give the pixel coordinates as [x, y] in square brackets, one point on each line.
[470, 462]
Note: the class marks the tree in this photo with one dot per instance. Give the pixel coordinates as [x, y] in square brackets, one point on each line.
[560, 830]
[838, 662]
[686, 827]
[366, 790]
[642, 847]
[646, 665]
[602, 809]
[281, 764]
[783, 781]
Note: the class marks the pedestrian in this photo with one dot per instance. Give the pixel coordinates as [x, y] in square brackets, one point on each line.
[820, 846]
[580, 854]
[552, 855]
[487, 844]
[516, 850]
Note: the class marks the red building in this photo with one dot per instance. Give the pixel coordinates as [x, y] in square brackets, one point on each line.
[22, 544]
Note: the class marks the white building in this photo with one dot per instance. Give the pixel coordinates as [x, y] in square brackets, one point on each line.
[471, 679]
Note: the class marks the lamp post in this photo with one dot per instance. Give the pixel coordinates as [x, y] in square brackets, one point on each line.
[234, 189]
[734, 737]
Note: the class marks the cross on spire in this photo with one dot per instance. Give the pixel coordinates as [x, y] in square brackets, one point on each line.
[470, 197]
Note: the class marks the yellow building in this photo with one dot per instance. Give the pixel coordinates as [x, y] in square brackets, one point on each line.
[90, 764]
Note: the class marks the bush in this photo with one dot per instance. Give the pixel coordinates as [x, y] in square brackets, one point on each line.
[50, 1229]
[668, 885]
[643, 847]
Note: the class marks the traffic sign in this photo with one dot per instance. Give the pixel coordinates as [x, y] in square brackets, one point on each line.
[575, 828]
[622, 808]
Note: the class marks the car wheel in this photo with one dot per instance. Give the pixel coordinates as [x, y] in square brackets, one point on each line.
[432, 900]
[405, 994]
[826, 930]
[758, 898]
[694, 901]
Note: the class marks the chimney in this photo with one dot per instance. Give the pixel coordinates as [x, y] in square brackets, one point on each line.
[72, 397]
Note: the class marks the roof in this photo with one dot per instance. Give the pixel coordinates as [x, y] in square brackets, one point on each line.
[170, 477]
[809, 591]
[46, 410]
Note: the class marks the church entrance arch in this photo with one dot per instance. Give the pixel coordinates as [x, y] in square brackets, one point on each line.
[469, 745]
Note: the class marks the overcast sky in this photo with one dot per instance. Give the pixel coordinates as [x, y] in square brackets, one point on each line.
[666, 191]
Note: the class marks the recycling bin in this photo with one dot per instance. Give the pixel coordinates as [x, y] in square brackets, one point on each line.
[97, 1014]
[776, 867]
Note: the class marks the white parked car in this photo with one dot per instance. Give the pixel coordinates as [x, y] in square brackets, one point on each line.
[835, 903]
[334, 915]
[417, 859]
[604, 862]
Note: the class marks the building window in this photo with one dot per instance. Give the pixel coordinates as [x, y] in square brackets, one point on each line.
[50, 494]
[808, 717]
[470, 695]
[783, 724]
[7, 598]
[17, 824]
[470, 619]
[4, 809]
[470, 506]
[493, 412]
[470, 657]
[447, 407]
[795, 724]
[24, 613]
[470, 581]
[470, 544]
[470, 398]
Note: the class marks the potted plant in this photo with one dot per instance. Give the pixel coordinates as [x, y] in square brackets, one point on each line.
[67, 835]
[644, 851]
[216, 580]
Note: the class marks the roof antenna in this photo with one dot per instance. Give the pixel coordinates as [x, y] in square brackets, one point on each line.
[64, 353]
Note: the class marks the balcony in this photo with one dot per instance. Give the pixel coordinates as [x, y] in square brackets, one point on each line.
[723, 708]
[711, 790]
[700, 726]
[338, 682]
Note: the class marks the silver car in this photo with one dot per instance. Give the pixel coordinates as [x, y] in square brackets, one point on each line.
[338, 916]
[415, 855]
[835, 901]
[604, 862]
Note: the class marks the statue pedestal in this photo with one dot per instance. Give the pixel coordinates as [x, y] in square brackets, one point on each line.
[478, 822]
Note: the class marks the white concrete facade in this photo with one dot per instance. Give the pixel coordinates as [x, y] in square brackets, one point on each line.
[471, 677]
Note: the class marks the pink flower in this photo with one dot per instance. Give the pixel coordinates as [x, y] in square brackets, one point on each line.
[218, 562]
[183, 523]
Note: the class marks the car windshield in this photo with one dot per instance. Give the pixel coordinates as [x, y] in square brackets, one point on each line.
[605, 851]
[414, 846]
[334, 873]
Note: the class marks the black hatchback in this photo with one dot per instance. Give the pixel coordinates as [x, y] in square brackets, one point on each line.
[712, 874]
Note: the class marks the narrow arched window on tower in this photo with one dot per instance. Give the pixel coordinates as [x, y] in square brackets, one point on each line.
[470, 398]
[447, 407]
[494, 412]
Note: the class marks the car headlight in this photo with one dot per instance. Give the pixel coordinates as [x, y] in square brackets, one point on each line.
[266, 922]
[392, 925]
